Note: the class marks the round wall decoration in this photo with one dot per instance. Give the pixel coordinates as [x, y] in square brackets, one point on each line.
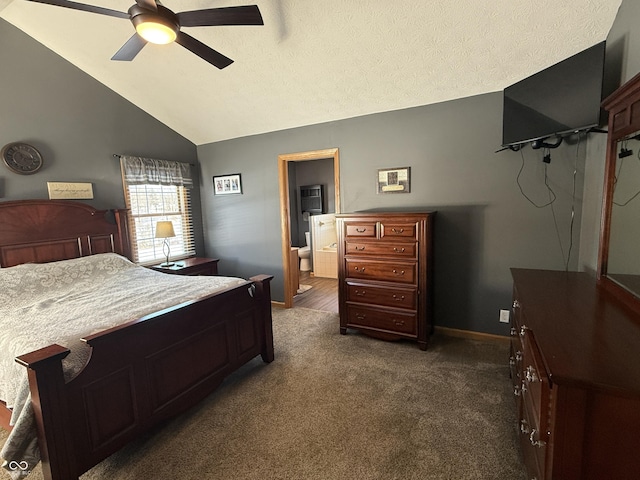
[21, 158]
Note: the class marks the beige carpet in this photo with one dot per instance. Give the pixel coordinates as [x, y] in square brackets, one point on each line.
[341, 407]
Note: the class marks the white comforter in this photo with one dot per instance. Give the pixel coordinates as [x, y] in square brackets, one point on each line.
[61, 302]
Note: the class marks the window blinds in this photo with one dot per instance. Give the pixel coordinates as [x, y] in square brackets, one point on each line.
[158, 190]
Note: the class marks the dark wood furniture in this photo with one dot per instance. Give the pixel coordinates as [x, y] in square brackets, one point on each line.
[385, 274]
[576, 377]
[139, 373]
[191, 266]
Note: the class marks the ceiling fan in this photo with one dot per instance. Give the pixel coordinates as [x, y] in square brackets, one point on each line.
[157, 24]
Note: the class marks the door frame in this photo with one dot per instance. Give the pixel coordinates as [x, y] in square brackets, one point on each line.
[285, 213]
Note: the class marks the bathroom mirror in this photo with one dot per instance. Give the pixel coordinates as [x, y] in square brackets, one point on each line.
[619, 258]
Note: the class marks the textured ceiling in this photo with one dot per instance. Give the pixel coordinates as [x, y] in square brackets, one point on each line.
[316, 61]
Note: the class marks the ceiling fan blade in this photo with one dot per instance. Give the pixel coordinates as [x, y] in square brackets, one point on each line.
[130, 49]
[203, 51]
[212, 17]
[148, 4]
[84, 7]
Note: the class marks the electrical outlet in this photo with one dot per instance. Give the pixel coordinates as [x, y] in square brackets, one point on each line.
[504, 316]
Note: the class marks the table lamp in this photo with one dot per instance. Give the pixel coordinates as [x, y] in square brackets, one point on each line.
[164, 230]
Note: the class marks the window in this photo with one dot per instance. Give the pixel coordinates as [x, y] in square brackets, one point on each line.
[149, 202]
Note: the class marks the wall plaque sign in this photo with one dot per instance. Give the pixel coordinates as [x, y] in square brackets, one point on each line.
[68, 190]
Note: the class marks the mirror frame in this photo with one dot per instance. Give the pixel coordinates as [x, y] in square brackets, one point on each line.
[623, 107]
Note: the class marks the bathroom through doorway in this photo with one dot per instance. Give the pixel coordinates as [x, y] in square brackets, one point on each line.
[290, 269]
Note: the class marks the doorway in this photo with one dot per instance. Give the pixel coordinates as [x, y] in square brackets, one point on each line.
[285, 211]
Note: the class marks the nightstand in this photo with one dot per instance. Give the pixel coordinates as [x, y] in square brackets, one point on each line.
[191, 266]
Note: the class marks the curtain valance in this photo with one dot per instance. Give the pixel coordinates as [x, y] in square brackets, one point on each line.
[140, 170]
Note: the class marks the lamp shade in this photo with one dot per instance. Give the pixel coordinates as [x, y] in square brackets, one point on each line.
[164, 230]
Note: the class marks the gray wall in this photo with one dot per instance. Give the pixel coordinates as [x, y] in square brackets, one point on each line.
[484, 225]
[76, 123]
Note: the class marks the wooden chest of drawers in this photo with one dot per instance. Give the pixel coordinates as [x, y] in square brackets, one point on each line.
[384, 273]
[576, 380]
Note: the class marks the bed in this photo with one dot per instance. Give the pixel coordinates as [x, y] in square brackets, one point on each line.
[131, 375]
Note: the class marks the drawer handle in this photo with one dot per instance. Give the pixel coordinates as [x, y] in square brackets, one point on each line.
[516, 304]
[531, 375]
[512, 361]
[360, 316]
[397, 230]
[358, 269]
[524, 426]
[398, 250]
[398, 323]
[523, 330]
[399, 273]
[359, 249]
[361, 293]
[518, 356]
[523, 387]
[398, 298]
[536, 443]
[513, 331]
[361, 230]
[516, 390]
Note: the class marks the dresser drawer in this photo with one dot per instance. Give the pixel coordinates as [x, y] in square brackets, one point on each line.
[515, 369]
[386, 249]
[398, 230]
[533, 448]
[382, 319]
[515, 354]
[535, 383]
[376, 295]
[400, 272]
[360, 229]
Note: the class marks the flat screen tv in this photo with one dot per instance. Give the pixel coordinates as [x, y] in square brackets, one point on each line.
[561, 99]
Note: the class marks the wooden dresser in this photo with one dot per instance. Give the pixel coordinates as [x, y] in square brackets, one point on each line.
[385, 274]
[576, 378]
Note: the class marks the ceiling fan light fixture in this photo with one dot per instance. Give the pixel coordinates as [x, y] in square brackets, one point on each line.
[159, 27]
[155, 32]
[155, 23]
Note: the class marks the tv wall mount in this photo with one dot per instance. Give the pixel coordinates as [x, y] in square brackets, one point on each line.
[541, 143]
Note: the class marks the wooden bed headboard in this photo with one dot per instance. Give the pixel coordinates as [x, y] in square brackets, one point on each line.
[40, 231]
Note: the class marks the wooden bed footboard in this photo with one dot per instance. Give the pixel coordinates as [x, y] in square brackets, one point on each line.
[142, 373]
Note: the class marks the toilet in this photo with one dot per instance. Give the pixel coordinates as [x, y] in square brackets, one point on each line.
[305, 255]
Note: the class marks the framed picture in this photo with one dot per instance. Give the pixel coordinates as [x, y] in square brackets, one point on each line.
[394, 180]
[70, 190]
[227, 184]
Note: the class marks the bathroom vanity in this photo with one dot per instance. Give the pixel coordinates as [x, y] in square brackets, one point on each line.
[385, 274]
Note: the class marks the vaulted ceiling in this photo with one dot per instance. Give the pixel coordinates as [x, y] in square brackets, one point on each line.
[316, 61]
